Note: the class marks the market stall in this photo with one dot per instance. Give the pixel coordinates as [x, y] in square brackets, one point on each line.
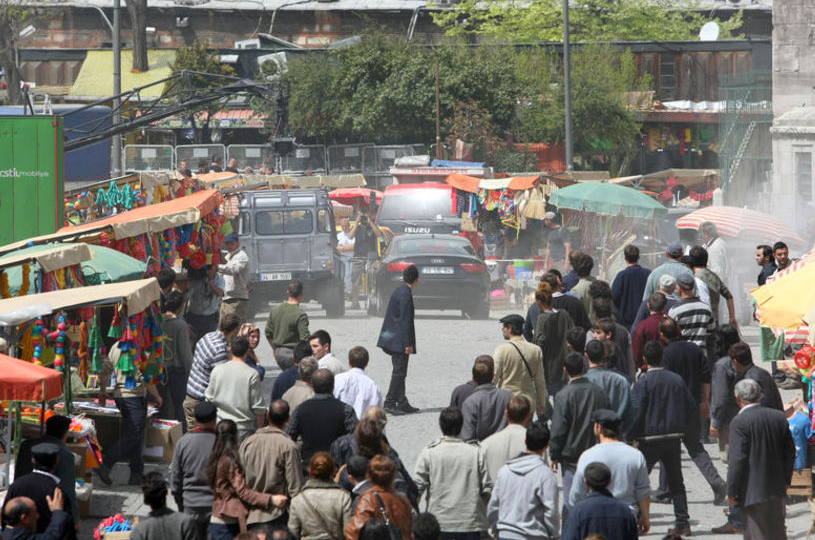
[605, 214]
[22, 381]
[159, 234]
[46, 267]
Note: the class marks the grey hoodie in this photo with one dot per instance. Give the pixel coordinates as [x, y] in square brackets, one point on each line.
[524, 503]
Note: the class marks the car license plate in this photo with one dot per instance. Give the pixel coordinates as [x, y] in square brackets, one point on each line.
[437, 270]
[275, 276]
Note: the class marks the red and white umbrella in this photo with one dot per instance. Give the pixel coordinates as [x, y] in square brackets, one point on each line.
[744, 224]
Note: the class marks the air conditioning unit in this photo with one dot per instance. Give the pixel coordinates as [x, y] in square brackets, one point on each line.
[248, 44]
[279, 60]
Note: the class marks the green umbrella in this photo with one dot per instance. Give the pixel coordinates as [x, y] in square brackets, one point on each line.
[608, 199]
[107, 266]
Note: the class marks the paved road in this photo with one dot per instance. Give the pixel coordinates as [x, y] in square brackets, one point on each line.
[447, 345]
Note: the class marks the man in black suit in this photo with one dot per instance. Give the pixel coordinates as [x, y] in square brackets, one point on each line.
[760, 463]
[20, 518]
[745, 368]
[40, 484]
[398, 339]
[56, 432]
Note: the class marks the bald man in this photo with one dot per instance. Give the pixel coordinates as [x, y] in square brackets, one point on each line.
[21, 515]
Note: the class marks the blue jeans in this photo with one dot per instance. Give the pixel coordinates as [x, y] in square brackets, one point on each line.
[131, 443]
[223, 531]
[567, 471]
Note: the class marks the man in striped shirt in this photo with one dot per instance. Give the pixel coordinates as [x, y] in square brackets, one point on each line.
[211, 350]
[691, 314]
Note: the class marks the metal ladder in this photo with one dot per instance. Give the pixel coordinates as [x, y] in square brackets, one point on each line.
[745, 142]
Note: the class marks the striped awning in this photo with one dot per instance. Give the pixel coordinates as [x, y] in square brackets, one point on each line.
[742, 223]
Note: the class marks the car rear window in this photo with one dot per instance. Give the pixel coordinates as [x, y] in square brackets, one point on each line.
[416, 204]
[430, 246]
[284, 222]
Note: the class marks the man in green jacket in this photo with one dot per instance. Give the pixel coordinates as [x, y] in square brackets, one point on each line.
[287, 325]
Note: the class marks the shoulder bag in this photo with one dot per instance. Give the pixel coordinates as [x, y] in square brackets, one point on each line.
[394, 532]
[528, 370]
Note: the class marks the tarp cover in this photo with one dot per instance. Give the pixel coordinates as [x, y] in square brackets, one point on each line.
[138, 295]
[49, 258]
[24, 381]
[157, 217]
[471, 184]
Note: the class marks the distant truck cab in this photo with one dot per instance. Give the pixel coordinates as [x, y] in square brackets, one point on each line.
[418, 209]
[288, 235]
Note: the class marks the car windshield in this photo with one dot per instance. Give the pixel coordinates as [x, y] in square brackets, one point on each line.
[430, 246]
[416, 204]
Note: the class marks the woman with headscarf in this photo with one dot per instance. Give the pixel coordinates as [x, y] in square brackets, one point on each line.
[252, 334]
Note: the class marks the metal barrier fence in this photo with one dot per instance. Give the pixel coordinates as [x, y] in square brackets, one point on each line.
[249, 155]
[306, 158]
[196, 154]
[379, 159]
[148, 157]
[346, 158]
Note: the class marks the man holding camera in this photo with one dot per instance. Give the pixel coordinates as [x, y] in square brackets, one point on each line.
[365, 235]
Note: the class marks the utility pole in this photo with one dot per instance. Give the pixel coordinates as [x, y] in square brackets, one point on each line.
[117, 88]
[567, 85]
[439, 149]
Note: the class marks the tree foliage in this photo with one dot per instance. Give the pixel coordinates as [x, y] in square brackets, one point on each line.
[385, 91]
[14, 15]
[196, 58]
[606, 94]
[590, 20]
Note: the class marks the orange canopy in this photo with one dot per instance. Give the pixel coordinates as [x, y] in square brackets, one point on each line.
[472, 184]
[157, 217]
[24, 381]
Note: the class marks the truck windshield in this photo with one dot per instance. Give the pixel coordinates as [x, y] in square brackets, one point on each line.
[284, 222]
[416, 205]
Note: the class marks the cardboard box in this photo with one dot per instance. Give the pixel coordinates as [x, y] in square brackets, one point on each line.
[119, 535]
[160, 439]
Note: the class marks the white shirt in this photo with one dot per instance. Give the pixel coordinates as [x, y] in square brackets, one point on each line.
[331, 363]
[717, 257]
[236, 275]
[702, 291]
[343, 240]
[358, 390]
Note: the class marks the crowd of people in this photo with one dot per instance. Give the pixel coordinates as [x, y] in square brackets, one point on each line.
[597, 382]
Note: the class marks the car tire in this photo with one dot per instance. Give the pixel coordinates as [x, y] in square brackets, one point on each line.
[480, 312]
[381, 306]
[335, 305]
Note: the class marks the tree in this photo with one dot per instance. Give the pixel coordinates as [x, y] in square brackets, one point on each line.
[471, 123]
[590, 20]
[137, 10]
[13, 17]
[607, 93]
[384, 91]
[196, 58]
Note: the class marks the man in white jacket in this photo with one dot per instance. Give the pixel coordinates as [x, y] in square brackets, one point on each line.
[524, 503]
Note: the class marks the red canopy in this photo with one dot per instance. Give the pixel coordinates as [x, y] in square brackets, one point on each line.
[24, 381]
[472, 184]
[353, 195]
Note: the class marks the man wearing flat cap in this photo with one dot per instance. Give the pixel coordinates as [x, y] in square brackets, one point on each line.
[236, 278]
[39, 484]
[56, 432]
[672, 267]
[629, 471]
[600, 513]
[519, 365]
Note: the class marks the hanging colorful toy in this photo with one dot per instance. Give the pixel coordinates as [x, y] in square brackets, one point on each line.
[61, 339]
[36, 340]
